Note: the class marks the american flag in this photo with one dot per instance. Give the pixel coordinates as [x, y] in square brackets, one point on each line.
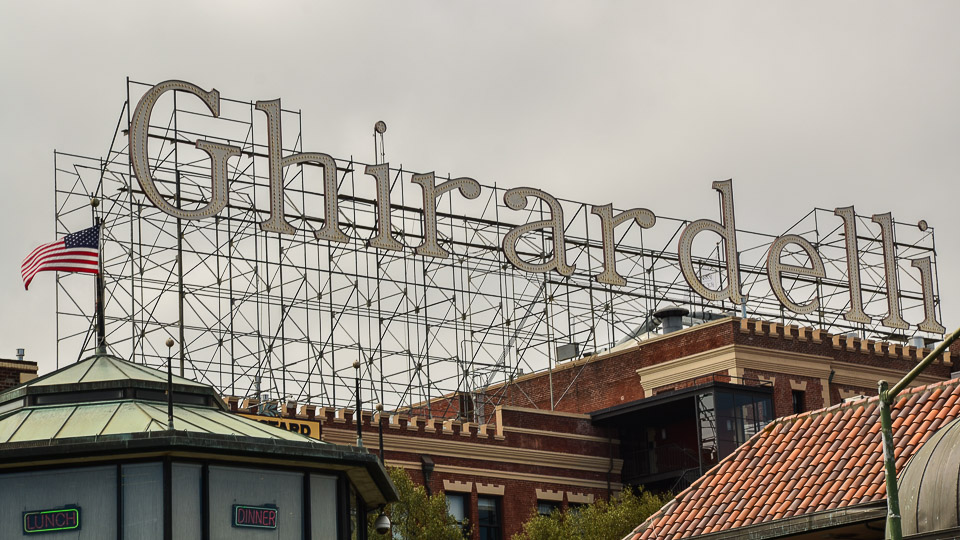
[77, 252]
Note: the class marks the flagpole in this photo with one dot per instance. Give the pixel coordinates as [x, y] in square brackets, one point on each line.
[101, 325]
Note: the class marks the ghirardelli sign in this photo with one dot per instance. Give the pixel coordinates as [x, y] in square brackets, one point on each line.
[553, 223]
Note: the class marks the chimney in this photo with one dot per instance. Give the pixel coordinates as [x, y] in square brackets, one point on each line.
[672, 318]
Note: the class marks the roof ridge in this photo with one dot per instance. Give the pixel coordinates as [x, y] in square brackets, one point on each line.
[143, 370]
[94, 360]
[121, 365]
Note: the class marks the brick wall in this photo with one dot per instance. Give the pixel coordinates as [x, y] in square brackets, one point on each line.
[493, 470]
[591, 384]
[525, 448]
[521, 452]
[16, 372]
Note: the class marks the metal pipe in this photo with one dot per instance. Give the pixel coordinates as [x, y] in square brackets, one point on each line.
[357, 417]
[887, 398]
[169, 384]
[101, 347]
[380, 427]
[546, 311]
[426, 467]
[889, 466]
[101, 322]
[696, 410]
[180, 274]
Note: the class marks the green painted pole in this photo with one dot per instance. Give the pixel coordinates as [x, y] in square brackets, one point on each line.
[887, 398]
[889, 466]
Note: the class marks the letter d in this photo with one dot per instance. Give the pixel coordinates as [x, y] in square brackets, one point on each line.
[728, 232]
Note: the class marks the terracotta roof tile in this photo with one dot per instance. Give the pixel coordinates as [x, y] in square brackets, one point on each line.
[805, 463]
[848, 452]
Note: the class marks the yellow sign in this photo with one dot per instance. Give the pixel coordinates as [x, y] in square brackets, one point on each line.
[303, 427]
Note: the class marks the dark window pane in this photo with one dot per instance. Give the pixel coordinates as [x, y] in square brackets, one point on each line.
[724, 403]
[799, 401]
[545, 508]
[488, 518]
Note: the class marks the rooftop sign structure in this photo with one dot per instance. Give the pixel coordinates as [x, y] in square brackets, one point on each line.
[286, 264]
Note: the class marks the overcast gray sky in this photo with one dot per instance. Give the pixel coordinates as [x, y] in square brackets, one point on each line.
[803, 104]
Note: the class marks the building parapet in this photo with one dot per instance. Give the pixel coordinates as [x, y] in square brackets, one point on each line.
[841, 341]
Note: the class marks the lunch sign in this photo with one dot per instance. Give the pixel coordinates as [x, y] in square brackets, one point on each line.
[519, 199]
[51, 521]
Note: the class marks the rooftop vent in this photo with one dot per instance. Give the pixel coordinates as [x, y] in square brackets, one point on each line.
[672, 318]
[567, 351]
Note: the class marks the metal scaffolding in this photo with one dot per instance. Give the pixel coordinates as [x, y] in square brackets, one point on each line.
[277, 316]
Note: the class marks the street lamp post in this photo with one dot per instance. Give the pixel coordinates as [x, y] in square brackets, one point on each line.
[887, 398]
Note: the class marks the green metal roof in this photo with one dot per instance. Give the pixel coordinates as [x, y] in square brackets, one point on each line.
[104, 367]
[104, 377]
[103, 408]
[106, 395]
[930, 485]
[130, 416]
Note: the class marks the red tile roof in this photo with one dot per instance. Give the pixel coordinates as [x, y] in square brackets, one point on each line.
[800, 464]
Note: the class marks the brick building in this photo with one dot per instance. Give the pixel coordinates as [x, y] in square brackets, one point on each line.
[15, 372]
[524, 456]
[658, 411]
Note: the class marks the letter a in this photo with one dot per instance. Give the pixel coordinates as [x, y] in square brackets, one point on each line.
[516, 199]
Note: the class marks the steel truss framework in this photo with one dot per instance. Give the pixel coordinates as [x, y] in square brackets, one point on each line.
[287, 316]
